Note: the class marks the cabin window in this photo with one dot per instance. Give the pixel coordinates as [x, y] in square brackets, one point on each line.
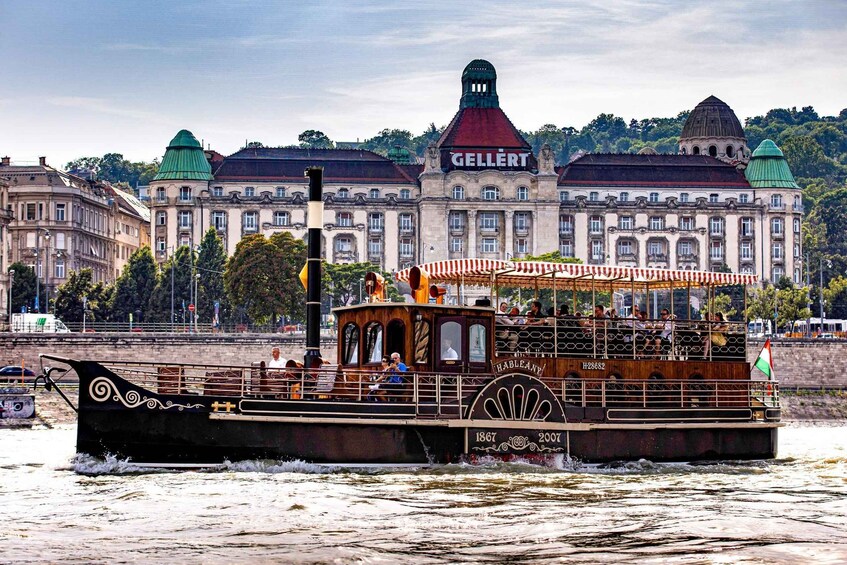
[373, 342]
[451, 341]
[350, 344]
[395, 337]
[476, 344]
[422, 333]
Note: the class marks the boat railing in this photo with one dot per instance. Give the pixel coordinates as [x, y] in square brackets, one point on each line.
[608, 338]
[436, 395]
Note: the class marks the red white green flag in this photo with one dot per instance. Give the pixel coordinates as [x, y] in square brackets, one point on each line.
[765, 361]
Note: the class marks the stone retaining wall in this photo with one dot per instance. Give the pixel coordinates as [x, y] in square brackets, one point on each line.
[225, 349]
[797, 362]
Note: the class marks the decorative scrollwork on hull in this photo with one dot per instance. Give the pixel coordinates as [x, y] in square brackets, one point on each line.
[518, 443]
[102, 389]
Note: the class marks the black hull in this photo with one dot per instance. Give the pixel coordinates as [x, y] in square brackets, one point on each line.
[120, 419]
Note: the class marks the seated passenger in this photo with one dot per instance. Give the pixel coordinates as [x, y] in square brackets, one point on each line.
[447, 351]
[535, 317]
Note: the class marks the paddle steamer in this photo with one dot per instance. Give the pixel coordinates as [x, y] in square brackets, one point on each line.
[479, 382]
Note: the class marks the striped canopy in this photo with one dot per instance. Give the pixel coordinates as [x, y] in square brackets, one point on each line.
[537, 274]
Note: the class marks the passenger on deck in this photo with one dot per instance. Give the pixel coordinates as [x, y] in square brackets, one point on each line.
[394, 384]
[276, 361]
[503, 315]
[715, 335]
[447, 351]
[375, 388]
[535, 317]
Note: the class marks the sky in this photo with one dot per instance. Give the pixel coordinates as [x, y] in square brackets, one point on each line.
[85, 78]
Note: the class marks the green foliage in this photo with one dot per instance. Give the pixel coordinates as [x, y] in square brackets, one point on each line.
[23, 286]
[114, 168]
[387, 139]
[78, 290]
[835, 298]
[134, 287]
[314, 139]
[173, 281]
[343, 282]
[782, 303]
[718, 303]
[262, 277]
[211, 264]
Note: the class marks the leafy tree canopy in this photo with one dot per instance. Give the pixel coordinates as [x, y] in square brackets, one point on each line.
[314, 139]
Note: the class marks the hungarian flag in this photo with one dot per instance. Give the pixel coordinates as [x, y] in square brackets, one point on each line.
[765, 360]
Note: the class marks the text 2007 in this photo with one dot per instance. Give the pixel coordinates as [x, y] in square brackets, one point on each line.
[550, 437]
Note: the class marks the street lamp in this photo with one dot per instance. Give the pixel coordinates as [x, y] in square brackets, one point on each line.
[829, 266]
[11, 283]
[196, 312]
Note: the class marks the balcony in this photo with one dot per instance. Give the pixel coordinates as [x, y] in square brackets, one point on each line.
[773, 206]
[778, 235]
[522, 230]
[490, 229]
[376, 229]
[687, 258]
[799, 208]
[457, 229]
[566, 229]
[407, 230]
[345, 255]
[629, 257]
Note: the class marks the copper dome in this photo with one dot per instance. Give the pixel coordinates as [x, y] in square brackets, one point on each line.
[712, 118]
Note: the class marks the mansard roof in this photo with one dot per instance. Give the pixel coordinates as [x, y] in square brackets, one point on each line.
[480, 128]
[624, 169]
[288, 164]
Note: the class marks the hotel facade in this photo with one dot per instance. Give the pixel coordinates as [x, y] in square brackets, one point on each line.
[481, 192]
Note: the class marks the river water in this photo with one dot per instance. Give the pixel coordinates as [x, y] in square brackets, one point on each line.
[60, 508]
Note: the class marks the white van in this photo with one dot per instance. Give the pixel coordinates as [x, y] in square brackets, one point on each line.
[38, 323]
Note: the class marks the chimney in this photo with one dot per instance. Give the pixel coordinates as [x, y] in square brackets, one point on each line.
[6, 162]
[42, 161]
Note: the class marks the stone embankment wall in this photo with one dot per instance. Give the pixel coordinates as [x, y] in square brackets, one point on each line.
[229, 349]
[797, 362]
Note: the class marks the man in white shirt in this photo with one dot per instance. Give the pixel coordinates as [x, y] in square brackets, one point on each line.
[447, 351]
[276, 362]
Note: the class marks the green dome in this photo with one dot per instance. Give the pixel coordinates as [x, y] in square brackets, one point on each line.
[184, 160]
[400, 155]
[768, 168]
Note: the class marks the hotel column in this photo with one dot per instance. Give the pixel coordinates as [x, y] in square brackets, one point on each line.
[472, 250]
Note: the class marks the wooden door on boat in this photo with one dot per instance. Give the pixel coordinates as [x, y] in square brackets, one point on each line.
[461, 344]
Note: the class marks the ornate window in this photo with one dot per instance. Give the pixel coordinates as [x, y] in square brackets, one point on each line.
[564, 196]
[657, 223]
[373, 193]
[185, 219]
[523, 193]
[161, 218]
[743, 198]
[376, 222]
[219, 220]
[251, 221]
[458, 192]
[654, 197]
[595, 224]
[343, 219]
[490, 193]
[280, 192]
[624, 197]
[217, 191]
[746, 251]
[683, 197]
[746, 227]
[249, 191]
[342, 193]
[185, 194]
[686, 223]
[716, 226]
[488, 220]
[566, 224]
[777, 226]
[489, 245]
[713, 198]
[593, 196]
[281, 218]
[405, 194]
[625, 223]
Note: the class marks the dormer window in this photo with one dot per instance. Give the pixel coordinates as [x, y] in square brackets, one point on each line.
[217, 191]
[373, 193]
[343, 193]
[654, 197]
[249, 191]
[280, 192]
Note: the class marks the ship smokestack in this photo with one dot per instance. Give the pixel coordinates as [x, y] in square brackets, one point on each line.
[312, 358]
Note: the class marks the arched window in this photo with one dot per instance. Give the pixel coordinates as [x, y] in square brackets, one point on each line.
[350, 344]
[422, 332]
[477, 344]
[373, 342]
[523, 193]
[730, 151]
[343, 193]
[490, 193]
[458, 193]
[695, 150]
[450, 347]
[713, 151]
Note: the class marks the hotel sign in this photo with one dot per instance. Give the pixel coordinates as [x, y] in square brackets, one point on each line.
[478, 159]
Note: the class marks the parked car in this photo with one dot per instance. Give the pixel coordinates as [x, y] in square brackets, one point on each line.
[827, 335]
[15, 371]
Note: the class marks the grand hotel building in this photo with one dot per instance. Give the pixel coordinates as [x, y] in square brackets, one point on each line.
[482, 192]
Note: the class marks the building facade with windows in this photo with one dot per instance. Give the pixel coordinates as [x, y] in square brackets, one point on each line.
[60, 222]
[481, 191]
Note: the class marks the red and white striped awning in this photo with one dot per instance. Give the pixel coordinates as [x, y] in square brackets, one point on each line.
[532, 274]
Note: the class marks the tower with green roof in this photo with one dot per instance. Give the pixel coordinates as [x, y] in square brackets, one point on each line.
[183, 175]
[768, 173]
[768, 168]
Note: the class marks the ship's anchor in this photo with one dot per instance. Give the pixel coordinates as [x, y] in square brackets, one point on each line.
[49, 384]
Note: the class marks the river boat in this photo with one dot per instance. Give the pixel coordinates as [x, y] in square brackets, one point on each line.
[479, 381]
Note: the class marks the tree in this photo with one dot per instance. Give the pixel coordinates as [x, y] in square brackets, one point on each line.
[254, 145]
[792, 305]
[262, 277]
[134, 287]
[345, 280]
[176, 271]
[835, 298]
[211, 264]
[314, 139]
[806, 158]
[387, 139]
[430, 135]
[71, 296]
[23, 286]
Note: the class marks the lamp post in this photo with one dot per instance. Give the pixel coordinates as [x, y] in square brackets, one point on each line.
[196, 312]
[38, 231]
[11, 283]
[829, 265]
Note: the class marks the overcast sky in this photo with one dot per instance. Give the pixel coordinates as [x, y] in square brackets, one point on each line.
[86, 78]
